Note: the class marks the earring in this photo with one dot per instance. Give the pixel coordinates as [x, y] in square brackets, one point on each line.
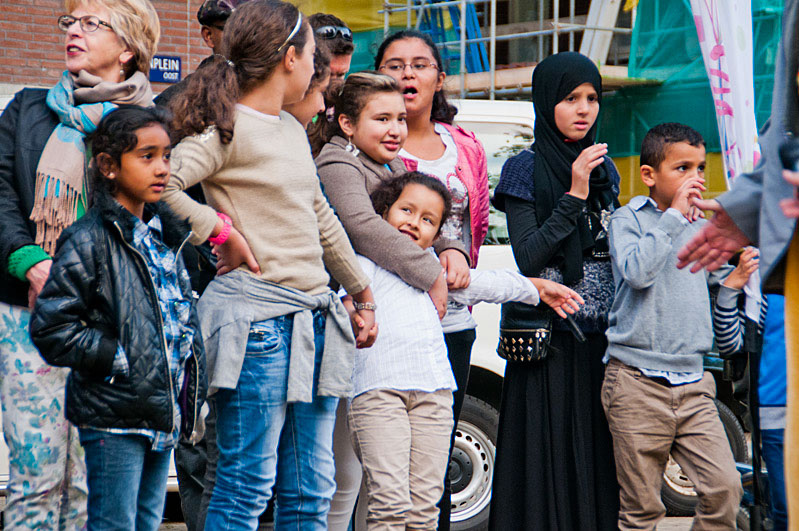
[111, 175]
[350, 148]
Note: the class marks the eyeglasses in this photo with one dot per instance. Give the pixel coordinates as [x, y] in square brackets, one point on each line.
[395, 66]
[331, 32]
[88, 23]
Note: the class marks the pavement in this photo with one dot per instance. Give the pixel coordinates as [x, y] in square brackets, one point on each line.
[669, 524]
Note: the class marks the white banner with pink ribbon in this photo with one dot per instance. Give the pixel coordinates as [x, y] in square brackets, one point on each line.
[724, 28]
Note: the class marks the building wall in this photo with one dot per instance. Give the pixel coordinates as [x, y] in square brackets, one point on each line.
[31, 45]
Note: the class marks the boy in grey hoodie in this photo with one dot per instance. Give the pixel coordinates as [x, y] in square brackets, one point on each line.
[656, 397]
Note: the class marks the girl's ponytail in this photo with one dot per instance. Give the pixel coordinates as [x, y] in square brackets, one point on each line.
[256, 38]
[209, 99]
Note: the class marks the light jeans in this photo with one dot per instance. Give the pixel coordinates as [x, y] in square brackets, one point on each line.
[265, 442]
[127, 481]
[47, 483]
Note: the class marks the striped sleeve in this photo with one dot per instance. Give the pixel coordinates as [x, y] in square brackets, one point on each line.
[728, 321]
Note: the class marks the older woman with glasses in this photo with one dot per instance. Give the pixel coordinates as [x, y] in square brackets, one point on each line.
[107, 49]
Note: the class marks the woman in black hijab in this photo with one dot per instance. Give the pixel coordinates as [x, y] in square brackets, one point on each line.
[554, 467]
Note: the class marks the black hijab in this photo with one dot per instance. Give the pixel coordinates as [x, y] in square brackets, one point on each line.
[554, 78]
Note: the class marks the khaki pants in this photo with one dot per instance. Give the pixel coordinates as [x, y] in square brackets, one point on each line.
[649, 420]
[402, 440]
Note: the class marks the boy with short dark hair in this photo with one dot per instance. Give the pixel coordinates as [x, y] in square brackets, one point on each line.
[656, 397]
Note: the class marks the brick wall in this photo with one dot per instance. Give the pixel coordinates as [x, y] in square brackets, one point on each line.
[31, 45]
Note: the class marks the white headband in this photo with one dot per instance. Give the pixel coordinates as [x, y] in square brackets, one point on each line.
[293, 32]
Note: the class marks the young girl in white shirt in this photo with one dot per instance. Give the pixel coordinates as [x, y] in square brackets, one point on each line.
[400, 416]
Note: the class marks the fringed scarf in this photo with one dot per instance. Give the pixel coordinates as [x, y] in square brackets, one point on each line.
[80, 102]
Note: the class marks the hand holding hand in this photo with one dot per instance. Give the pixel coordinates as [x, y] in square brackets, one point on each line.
[363, 321]
[234, 252]
[747, 264]
[37, 276]
[457, 268]
[438, 294]
[590, 158]
[691, 189]
[560, 298]
[715, 243]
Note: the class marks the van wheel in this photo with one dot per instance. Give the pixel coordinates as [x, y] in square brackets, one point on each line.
[678, 492]
[472, 465]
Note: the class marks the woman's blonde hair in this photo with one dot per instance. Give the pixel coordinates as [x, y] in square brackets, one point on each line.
[136, 23]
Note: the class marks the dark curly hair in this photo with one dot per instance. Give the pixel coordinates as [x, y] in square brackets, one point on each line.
[253, 46]
[117, 134]
[442, 110]
[388, 192]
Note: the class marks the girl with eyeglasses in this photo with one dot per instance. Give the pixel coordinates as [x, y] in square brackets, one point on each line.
[277, 338]
[107, 49]
[453, 155]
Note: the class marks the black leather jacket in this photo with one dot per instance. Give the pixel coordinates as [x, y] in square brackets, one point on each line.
[100, 292]
[25, 127]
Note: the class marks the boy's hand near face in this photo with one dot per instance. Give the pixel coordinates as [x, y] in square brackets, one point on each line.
[747, 264]
[560, 298]
[690, 189]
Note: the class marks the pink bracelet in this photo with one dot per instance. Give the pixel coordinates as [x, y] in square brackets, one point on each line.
[222, 237]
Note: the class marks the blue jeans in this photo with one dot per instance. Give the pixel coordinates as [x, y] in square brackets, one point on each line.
[264, 442]
[127, 481]
[772, 444]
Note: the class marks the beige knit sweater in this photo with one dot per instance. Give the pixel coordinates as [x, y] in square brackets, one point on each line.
[265, 180]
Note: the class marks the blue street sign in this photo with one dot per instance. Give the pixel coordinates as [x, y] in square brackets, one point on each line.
[165, 69]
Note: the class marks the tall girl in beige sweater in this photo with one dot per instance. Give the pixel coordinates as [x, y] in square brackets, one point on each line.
[276, 334]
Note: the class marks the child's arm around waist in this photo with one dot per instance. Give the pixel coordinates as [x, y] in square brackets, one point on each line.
[641, 254]
[60, 326]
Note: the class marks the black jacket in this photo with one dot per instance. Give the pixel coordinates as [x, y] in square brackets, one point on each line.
[100, 292]
[25, 127]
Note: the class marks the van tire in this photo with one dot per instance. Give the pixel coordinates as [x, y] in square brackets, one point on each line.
[472, 465]
[677, 492]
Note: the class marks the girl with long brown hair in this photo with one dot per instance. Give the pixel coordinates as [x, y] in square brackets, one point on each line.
[276, 335]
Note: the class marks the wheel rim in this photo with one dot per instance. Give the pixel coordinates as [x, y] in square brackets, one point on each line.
[470, 471]
[677, 480]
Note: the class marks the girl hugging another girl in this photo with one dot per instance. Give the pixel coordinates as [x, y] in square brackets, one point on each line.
[400, 416]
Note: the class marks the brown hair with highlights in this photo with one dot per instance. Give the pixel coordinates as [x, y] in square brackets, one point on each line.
[253, 44]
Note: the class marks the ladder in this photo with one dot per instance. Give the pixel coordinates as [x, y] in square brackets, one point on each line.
[432, 22]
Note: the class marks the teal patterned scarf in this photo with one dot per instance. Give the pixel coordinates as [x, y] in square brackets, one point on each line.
[80, 102]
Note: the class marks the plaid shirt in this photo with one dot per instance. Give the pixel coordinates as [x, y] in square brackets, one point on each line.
[163, 267]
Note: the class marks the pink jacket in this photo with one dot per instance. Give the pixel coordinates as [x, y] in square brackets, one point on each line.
[473, 172]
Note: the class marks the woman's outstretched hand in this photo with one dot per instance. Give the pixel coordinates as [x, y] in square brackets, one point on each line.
[234, 252]
[590, 158]
[560, 298]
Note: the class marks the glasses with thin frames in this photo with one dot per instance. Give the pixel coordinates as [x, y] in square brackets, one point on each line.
[395, 66]
[88, 23]
[331, 32]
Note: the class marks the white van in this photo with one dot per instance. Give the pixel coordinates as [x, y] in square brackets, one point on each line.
[504, 128]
